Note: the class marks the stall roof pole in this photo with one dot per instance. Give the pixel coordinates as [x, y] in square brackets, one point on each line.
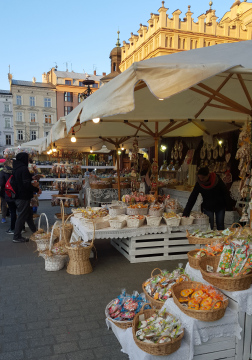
[118, 173]
[156, 153]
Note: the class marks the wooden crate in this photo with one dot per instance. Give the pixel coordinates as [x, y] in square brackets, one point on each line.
[154, 247]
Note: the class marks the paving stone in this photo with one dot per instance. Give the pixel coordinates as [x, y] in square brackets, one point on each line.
[54, 357]
[67, 337]
[109, 352]
[15, 345]
[90, 343]
[47, 340]
[67, 321]
[30, 334]
[38, 352]
[14, 328]
[82, 355]
[12, 355]
[37, 325]
[84, 326]
[88, 334]
[55, 330]
[66, 347]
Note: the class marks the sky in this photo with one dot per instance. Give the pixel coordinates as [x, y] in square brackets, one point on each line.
[78, 34]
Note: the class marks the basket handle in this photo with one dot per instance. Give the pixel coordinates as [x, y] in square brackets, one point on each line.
[154, 270]
[187, 233]
[142, 308]
[232, 226]
[63, 224]
[47, 224]
[51, 237]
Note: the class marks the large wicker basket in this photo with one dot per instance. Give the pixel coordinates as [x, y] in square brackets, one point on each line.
[193, 261]
[154, 349]
[100, 185]
[53, 262]
[237, 283]
[158, 304]
[79, 262]
[202, 315]
[121, 324]
[42, 238]
[199, 240]
[137, 211]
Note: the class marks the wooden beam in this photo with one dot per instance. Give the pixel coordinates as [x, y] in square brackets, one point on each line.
[148, 129]
[213, 96]
[182, 123]
[200, 127]
[245, 89]
[226, 108]
[162, 132]
[136, 127]
[140, 86]
[225, 98]
[108, 140]
[216, 98]
[235, 124]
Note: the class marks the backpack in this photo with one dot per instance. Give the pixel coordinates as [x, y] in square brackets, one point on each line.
[10, 188]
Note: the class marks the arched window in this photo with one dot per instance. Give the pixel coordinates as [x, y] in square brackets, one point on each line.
[179, 43]
[170, 42]
[196, 44]
[114, 66]
[191, 44]
[184, 44]
[166, 41]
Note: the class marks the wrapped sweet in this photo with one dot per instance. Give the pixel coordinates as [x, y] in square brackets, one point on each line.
[225, 260]
[125, 307]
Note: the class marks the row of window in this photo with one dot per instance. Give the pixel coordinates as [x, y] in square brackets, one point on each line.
[32, 102]
[69, 82]
[6, 107]
[21, 137]
[20, 117]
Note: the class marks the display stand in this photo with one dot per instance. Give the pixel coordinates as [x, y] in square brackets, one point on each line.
[241, 303]
[145, 243]
[202, 340]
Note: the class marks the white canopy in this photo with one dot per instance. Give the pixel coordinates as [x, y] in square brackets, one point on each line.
[190, 93]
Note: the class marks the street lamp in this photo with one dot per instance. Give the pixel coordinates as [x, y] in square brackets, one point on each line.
[87, 82]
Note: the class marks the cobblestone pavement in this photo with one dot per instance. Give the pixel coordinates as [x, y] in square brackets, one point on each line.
[57, 316]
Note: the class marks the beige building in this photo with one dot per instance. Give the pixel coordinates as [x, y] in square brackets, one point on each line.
[166, 34]
[34, 109]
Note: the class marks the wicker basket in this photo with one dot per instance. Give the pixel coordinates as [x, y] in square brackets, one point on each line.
[202, 315]
[193, 261]
[186, 221]
[115, 210]
[79, 262]
[121, 324]
[201, 221]
[42, 239]
[158, 304]
[134, 222]
[153, 220]
[99, 223]
[237, 283]
[53, 262]
[67, 228]
[156, 212]
[173, 221]
[137, 211]
[154, 349]
[117, 222]
[198, 240]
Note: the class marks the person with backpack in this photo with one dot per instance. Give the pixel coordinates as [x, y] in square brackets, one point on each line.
[24, 192]
[5, 175]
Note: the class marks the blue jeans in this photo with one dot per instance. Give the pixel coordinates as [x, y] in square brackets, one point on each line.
[219, 215]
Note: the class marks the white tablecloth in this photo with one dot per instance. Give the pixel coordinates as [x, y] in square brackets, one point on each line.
[109, 233]
[196, 333]
[243, 298]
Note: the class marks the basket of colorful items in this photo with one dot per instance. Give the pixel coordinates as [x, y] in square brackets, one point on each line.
[173, 205]
[206, 237]
[153, 220]
[157, 332]
[157, 288]
[115, 210]
[95, 217]
[186, 221]
[118, 222]
[171, 218]
[135, 221]
[232, 271]
[195, 256]
[200, 218]
[137, 209]
[156, 210]
[122, 309]
[200, 301]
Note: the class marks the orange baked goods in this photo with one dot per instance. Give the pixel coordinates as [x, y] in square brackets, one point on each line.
[186, 292]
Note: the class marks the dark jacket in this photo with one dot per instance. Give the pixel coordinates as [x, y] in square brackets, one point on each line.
[23, 178]
[4, 176]
[214, 199]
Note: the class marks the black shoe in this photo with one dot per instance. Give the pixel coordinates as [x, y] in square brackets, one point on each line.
[10, 231]
[20, 240]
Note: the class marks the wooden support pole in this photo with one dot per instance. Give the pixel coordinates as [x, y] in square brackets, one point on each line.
[156, 153]
[118, 174]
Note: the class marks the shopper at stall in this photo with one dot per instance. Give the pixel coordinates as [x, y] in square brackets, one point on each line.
[145, 174]
[215, 195]
[24, 193]
[4, 176]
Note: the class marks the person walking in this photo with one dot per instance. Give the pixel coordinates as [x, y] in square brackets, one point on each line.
[4, 176]
[215, 195]
[4, 208]
[24, 193]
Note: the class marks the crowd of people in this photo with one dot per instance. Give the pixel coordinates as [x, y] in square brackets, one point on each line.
[18, 203]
